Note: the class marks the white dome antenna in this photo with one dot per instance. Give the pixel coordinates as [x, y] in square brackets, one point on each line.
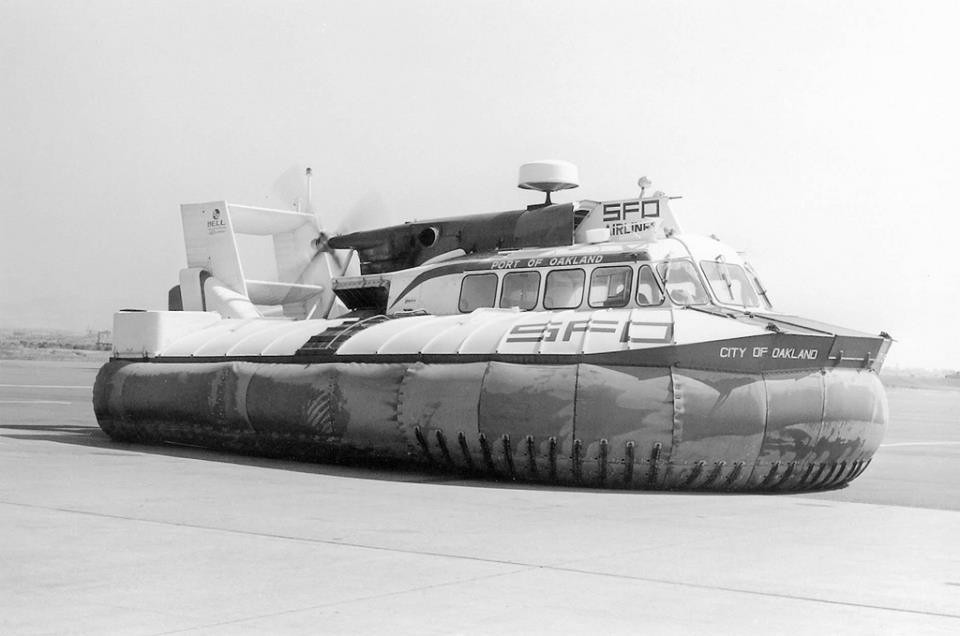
[548, 176]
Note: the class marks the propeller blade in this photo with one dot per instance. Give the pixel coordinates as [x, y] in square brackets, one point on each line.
[370, 211]
[290, 189]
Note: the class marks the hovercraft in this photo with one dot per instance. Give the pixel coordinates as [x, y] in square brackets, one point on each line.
[591, 343]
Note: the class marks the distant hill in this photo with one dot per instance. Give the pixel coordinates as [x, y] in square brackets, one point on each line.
[51, 344]
[921, 379]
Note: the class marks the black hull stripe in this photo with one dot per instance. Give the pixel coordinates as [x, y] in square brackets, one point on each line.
[751, 354]
[625, 359]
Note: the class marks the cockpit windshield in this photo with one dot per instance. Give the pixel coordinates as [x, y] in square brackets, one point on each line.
[730, 283]
[682, 283]
[758, 286]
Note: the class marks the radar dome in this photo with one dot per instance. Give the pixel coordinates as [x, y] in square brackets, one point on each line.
[548, 176]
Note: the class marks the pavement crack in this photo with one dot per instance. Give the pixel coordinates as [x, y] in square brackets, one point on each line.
[737, 590]
[518, 566]
[271, 535]
[359, 599]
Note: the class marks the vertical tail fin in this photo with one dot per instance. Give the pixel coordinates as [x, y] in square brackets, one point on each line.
[215, 279]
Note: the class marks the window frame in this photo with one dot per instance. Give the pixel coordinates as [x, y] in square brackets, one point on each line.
[758, 287]
[744, 282]
[661, 268]
[583, 287]
[496, 288]
[630, 284]
[503, 288]
[656, 281]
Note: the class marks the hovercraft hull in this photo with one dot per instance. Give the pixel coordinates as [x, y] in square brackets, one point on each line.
[606, 425]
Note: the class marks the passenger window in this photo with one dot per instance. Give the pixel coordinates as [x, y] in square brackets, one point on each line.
[648, 290]
[682, 283]
[478, 290]
[610, 286]
[520, 289]
[564, 289]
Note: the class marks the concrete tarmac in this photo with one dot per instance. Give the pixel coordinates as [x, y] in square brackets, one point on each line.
[104, 538]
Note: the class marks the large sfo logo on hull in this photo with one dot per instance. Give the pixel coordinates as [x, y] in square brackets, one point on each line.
[628, 331]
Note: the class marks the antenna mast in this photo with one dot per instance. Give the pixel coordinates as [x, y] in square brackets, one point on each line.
[309, 175]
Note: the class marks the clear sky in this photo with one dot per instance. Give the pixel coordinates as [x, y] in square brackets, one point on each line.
[820, 137]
